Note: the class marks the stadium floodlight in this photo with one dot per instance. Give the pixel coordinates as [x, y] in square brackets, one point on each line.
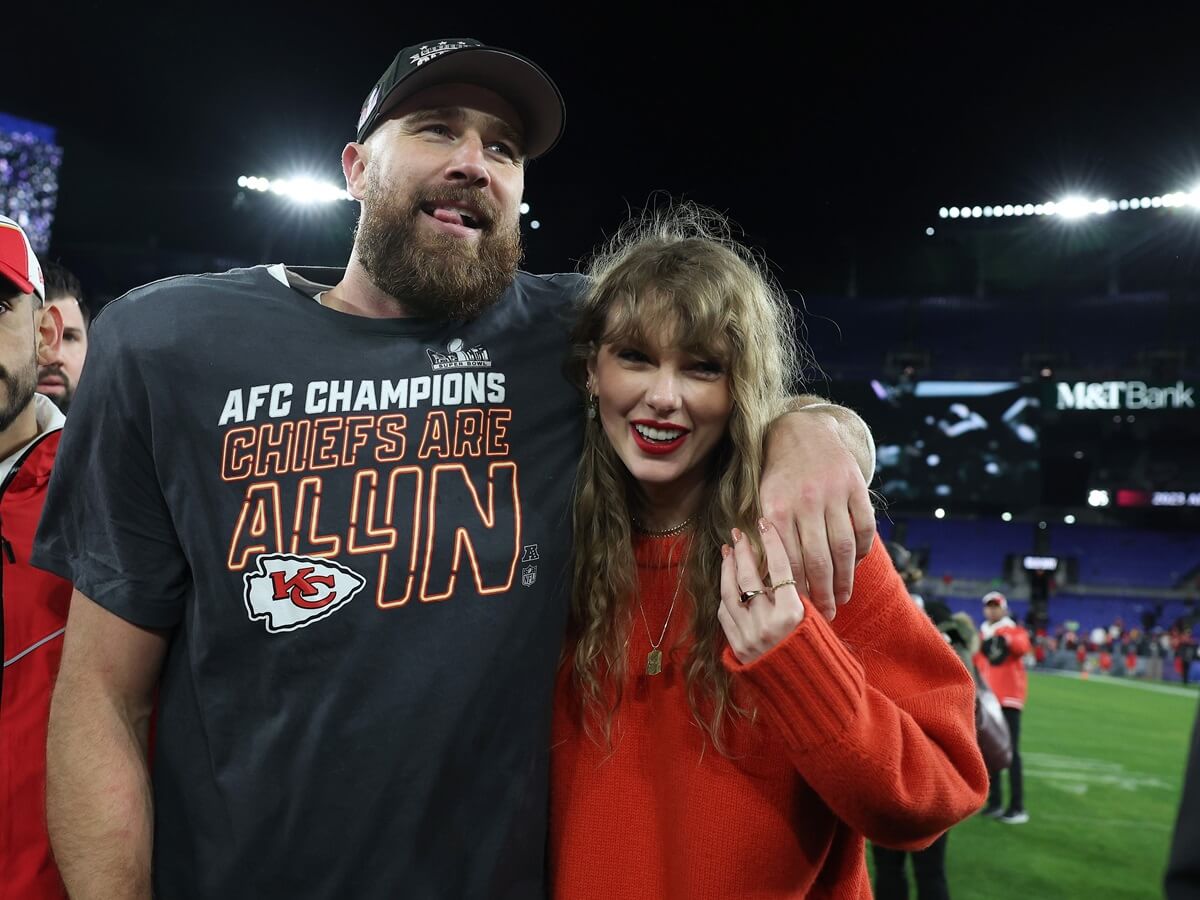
[525, 207]
[1006, 516]
[535, 224]
[1069, 519]
[301, 189]
[939, 513]
[1074, 207]
[1098, 499]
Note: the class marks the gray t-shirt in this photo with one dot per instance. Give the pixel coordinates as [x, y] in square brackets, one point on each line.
[358, 530]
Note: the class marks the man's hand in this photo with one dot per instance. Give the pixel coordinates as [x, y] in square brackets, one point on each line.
[814, 491]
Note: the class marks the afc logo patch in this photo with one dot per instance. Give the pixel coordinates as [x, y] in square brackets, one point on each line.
[529, 553]
[289, 592]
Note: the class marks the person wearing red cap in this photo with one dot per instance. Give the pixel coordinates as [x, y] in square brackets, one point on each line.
[1001, 662]
[33, 603]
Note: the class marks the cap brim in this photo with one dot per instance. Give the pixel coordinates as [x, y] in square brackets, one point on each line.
[24, 285]
[518, 80]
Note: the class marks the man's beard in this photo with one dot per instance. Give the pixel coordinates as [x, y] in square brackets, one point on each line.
[436, 275]
[62, 401]
[19, 387]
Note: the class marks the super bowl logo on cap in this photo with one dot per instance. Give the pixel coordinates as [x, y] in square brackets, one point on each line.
[368, 106]
[431, 51]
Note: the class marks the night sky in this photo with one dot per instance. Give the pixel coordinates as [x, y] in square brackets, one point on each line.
[830, 137]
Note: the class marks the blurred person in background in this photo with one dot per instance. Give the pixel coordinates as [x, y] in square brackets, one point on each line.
[1002, 665]
[59, 376]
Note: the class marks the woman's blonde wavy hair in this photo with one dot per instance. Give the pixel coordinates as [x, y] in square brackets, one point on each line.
[673, 275]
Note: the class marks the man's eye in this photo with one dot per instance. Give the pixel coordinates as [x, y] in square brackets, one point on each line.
[503, 149]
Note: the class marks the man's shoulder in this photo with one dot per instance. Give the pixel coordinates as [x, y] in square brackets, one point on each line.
[541, 303]
[167, 296]
[562, 287]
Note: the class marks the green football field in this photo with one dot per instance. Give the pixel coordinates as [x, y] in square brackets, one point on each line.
[1104, 765]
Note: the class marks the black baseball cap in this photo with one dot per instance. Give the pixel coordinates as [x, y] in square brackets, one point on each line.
[518, 80]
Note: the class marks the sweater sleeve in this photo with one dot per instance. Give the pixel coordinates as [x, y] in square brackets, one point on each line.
[1018, 641]
[877, 712]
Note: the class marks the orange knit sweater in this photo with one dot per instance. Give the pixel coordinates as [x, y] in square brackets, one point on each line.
[865, 729]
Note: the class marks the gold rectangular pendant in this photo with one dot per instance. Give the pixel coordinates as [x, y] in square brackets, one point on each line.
[654, 662]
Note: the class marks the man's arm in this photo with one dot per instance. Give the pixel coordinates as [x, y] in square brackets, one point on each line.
[853, 431]
[820, 457]
[99, 805]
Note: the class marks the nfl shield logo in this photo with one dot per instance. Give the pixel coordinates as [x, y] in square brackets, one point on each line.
[528, 575]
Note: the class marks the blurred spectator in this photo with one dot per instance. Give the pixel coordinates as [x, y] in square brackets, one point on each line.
[1155, 651]
[33, 603]
[1185, 653]
[1000, 660]
[59, 377]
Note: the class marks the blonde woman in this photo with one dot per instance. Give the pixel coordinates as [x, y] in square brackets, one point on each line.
[714, 735]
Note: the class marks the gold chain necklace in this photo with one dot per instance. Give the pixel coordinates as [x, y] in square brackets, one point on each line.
[666, 532]
[654, 657]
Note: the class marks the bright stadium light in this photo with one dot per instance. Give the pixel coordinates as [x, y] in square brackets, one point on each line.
[302, 189]
[1006, 516]
[1073, 207]
[939, 513]
[525, 209]
[1076, 206]
[1098, 498]
[1069, 519]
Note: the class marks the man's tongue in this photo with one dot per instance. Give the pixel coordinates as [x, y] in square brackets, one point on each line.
[453, 216]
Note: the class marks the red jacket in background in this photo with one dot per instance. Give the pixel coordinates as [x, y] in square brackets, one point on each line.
[34, 605]
[1007, 679]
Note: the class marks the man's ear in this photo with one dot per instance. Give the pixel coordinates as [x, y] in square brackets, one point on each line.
[354, 168]
[49, 333]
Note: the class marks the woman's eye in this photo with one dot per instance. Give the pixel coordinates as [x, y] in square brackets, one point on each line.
[632, 355]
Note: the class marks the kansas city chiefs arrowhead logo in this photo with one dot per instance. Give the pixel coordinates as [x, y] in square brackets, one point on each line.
[289, 592]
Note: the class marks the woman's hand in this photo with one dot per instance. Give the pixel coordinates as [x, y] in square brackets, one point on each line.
[757, 617]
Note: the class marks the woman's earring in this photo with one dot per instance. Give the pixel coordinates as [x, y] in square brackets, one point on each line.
[592, 401]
